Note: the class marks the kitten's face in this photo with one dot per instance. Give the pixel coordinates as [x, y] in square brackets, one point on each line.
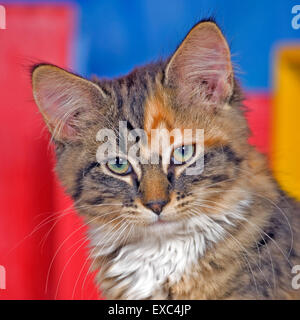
[127, 196]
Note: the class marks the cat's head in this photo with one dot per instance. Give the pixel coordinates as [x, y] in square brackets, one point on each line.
[118, 193]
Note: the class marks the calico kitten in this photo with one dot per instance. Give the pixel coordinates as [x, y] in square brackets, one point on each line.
[227, 232]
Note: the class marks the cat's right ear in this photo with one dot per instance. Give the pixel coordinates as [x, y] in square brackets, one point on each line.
[201, 67]
[65, 100]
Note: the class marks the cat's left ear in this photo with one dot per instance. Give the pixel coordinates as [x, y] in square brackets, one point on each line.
[67, 102]
[201, 67]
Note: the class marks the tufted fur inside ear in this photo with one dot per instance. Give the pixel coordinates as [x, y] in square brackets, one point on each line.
[201, 66]
[65, 100]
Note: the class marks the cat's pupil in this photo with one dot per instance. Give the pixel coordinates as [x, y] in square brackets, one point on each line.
[119, 162]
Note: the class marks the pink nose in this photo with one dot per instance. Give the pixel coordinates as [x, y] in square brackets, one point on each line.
[156, 206]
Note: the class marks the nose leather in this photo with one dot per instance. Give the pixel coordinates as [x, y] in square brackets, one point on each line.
[156, 206]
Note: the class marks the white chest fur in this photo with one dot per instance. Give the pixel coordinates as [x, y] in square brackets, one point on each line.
[143, 268]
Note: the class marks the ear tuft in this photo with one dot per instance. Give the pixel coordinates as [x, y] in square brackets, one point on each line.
[64, 99]
[201, 66]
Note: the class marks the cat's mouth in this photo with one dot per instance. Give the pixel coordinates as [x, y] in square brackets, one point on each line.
[162, 222]
[162, 228]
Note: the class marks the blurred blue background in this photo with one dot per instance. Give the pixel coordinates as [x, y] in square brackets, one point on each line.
[116, 35]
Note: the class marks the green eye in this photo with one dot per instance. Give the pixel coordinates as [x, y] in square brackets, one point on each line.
[119, 166]
[183, 154]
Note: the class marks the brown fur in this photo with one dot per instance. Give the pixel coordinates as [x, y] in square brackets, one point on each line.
[154, 186]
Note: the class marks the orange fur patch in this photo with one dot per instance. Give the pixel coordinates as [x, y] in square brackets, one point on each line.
[157, 114]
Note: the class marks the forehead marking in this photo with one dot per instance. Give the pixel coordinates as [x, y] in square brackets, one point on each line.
[157, 113]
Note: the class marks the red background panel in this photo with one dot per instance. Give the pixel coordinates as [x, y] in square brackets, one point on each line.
[259, 117]
[29, 192]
